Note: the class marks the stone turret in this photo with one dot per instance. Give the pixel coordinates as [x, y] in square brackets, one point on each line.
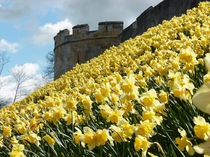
[82, 44]
[78, 29]
[60, 37]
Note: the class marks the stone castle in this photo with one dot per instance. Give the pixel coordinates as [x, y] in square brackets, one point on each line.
[82, 44]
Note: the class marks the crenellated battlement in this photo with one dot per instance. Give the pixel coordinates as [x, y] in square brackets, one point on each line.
[61, 37]
[78, 29]
[81, 32]
[109, 26]
[83, 44]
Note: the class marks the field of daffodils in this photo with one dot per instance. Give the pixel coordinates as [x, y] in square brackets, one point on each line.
[150, 96]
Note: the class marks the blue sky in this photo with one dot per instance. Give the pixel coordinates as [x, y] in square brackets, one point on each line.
[27, 27]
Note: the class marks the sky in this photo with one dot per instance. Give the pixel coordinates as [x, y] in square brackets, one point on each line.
[27, 28]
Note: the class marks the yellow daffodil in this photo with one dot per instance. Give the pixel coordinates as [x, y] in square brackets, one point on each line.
[87, 102]
[184, 142]
[32, 138]
[118, 134]
[17, 151]
[17, 154]
[201, 98]
[207, 61]
[201, 128]
[148, 98]
[128, 85]
[105, 90]
[105, 111]
[78, 136]
[117, 85]
[14, 140]
[115, 115]
[89, 137]
[145, 129]
[7, 131]
[71, 104]
[163, 96]
[72, 118]
[58, 113]
[128, 128]
[141, 143]
[102, 136]
[49, 139]
[99, 97]
[187, 55]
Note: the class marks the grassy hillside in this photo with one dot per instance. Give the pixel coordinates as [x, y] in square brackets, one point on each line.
[133, 100]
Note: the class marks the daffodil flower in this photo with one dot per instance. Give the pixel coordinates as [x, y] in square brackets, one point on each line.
[141, 143]
[201, 99]
[207, 61]
[202, 128]
[184, 142]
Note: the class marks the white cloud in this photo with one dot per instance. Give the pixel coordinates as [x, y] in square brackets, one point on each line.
[14, 10]
[78, 11]
[46, 33]
[86, 11]
[17, 9]
[73, 11]
[8, 86]
[28, 69]
[6, 46]
[94, 11]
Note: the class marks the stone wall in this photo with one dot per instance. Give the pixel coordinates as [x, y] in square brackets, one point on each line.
[83, 44]
[153, 16]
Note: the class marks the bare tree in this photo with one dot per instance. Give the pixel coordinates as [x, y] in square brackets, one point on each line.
[3, 61]
[49, 70]
[22, 81]
[20, 77]
[23, 84]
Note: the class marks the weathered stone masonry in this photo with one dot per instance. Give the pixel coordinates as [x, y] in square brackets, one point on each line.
[83, 44]
[153, 16]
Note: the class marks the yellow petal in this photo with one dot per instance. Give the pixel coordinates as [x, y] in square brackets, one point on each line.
[190, 150]
[207, 61]
[182, 132]
[152, 155]
[202, 98]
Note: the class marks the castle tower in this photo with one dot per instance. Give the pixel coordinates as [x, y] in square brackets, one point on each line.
[82, 45]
